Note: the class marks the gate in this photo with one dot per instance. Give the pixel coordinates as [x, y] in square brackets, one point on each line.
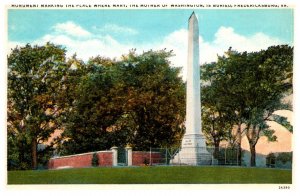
[122, 157]
[162, 156]
[171, 153]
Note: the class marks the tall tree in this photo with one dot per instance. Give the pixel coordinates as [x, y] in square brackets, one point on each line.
[34, 75]
[138, 100]
[252, 86]
[96, 107]
[219, 114]
[155, 104]
[269, 80]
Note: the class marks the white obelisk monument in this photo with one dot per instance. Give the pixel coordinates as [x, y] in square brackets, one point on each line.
[193, 147]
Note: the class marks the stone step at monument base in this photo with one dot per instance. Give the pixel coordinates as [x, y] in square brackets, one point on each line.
[193, 151]
[192, 156]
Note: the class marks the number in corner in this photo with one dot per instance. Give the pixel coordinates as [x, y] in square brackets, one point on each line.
[284, 187]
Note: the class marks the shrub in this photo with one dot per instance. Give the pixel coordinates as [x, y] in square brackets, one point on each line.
[146, 161]
[285, 157]
[270, 160]
[95, 160]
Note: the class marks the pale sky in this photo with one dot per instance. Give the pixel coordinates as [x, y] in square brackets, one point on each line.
[111, 33]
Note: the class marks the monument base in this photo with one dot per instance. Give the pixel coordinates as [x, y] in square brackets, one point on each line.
[193, 151]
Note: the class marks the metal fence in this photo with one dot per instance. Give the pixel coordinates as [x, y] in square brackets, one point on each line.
[224, 156]
[193, 156]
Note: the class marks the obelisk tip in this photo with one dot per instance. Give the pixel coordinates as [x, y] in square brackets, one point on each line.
[193, 14]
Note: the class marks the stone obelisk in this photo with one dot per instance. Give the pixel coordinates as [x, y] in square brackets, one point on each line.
[193, 147]
[193, 105]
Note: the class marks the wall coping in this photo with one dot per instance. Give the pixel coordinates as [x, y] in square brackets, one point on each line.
[148, 152]
[74, 155]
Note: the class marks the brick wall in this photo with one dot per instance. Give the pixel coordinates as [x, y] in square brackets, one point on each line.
[81, 160]
[140, 158]
[105, 159]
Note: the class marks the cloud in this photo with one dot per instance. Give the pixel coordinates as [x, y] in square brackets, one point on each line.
[226, 37]
[86, 48]
[85, 44]
[116, 29]
[70, 28]
[177, 41]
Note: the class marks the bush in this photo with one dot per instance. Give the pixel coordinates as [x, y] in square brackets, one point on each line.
[281, 160]
[285, 157]
[270, 160]
[95, 160]
[146, 161]
[43, 157]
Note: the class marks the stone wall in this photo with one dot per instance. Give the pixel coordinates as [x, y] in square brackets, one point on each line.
[81, 160]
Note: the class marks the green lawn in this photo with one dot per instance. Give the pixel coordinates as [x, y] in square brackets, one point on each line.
[153, 175]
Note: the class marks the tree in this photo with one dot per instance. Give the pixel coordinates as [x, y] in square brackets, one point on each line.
[95, 107]
[34, 75]
[252, 86]
[138, 100]
[155, 107]
[269, 79]
[218, 107]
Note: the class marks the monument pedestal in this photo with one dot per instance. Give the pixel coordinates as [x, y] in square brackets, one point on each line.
[193, 151]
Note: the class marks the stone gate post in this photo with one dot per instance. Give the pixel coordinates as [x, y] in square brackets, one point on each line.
[129, 155]
[114, 150]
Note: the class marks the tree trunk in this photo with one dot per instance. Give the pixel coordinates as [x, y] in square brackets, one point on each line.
[34, 153]
[217, 149]
[239, 141]
[21, 154]
[253, 156]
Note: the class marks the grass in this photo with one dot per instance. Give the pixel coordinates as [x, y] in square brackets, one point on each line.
[153, 175]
